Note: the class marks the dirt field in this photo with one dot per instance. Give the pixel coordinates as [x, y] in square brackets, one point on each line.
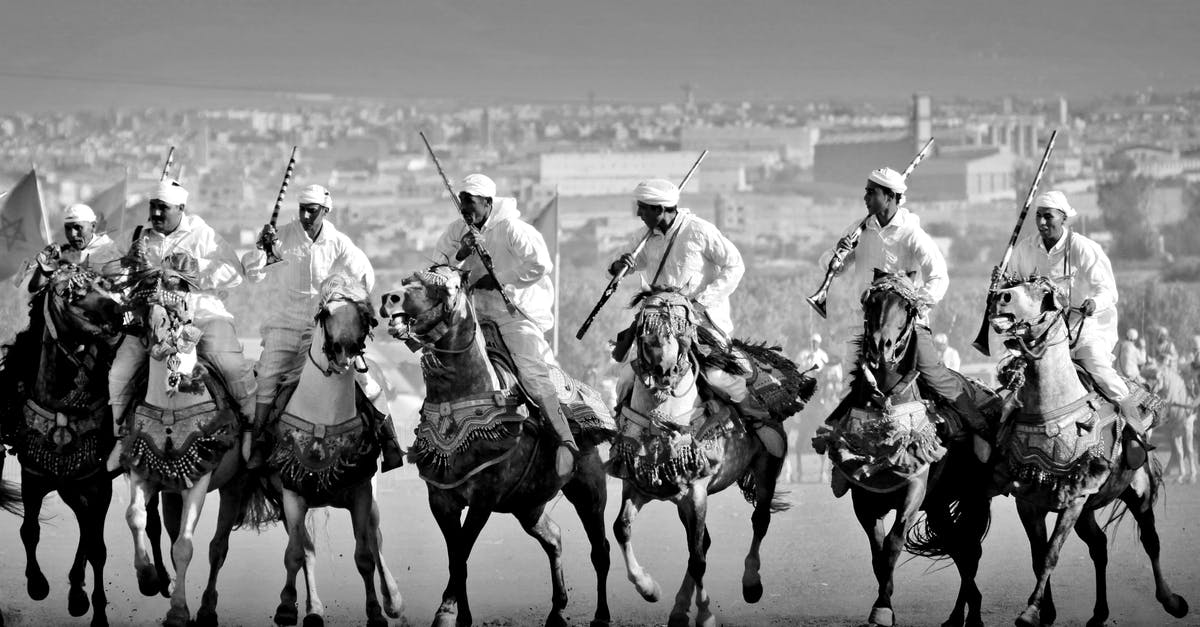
[816, 567]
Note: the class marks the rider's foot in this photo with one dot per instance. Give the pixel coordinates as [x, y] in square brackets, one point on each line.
[393, 455]
[114, 458]
[564, 459]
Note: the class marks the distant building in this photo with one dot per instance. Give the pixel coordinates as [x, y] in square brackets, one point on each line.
[793, 144]
[616, 173]
[972, 175]
[1160, 163]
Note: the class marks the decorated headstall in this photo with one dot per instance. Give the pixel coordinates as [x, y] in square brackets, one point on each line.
[665, 314]
[343, 291]
[172, 336]
[427, 327]
[1028, 332]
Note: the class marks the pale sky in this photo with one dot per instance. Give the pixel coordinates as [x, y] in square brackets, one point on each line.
[78, 55]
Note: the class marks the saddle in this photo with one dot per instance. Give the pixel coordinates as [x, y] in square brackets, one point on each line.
[320, 461]
[880, 449]
[176, 447]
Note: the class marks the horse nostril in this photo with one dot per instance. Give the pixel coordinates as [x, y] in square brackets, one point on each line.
[1006, 298]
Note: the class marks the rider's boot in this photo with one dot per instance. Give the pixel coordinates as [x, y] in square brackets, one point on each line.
[1137, 447]
[114, 457]
[568, 450]
[393, 454]
[976, 425]
[261, 449]
[759, 420]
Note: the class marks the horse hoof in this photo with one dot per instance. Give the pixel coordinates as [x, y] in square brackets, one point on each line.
[651, 593]
[206, 618]
[1176, 606]
[1097, 622]
[314, 620]
[287, 615]
[678, 620]
[1031, 617]
[177, 617]
[37, 586]
[708, 620]
[596, 622]
[77, 601]
[445, 619]
[148, 582]
[751, 594]
[394, 608]
[374, 621]
[98, 620]
[555, 619]
[881, 617]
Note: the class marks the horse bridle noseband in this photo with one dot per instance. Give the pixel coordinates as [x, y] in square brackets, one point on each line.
[433, 321]
[320, 318]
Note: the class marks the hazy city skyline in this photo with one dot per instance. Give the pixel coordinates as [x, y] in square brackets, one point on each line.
[57, 54]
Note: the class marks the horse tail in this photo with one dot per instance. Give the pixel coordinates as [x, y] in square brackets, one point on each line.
[748, 484]
[261, 504]
[948, 527]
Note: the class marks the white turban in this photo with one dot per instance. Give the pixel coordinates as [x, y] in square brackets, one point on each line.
[79, 213]
[171, 192]
[816, 337]
[1055, 200]
[316, 195]
[659, 192]
[479, 185]
[889, 178]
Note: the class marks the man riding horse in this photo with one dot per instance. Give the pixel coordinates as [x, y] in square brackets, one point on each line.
[692, 256]
[174, 231]
[313, 250]
[522, 272]
[84, 246]
[1079, 267]
[894, 242]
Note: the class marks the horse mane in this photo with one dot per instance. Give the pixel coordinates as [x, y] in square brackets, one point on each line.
[653, 291]
[343, 286]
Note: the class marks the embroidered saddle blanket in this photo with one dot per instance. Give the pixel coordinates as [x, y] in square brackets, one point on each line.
[67, 444]
[879, 450]
[661, 454]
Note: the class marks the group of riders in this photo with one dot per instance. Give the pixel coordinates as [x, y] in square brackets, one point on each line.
[683, 251]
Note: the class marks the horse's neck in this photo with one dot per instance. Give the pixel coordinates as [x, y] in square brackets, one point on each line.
[320, 399]
[1051, 381]
[461, 373]
[58, 375]
[156, 390]
[645, 401]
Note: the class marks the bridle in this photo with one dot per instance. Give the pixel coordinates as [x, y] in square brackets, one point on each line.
[358, 363]
[424, 330]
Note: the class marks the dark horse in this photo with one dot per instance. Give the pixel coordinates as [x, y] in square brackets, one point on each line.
[480, 447]
[57, 418]
[885, 445]
[1064, 451]
[680, 444]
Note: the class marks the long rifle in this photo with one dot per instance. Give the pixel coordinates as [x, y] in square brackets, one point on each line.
[484, 257]
[847, 244]
[616, 280]
[269, 242]
[981, 338]
[167, 166]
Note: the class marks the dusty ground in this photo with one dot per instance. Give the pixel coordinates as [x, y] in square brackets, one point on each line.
[816, 567]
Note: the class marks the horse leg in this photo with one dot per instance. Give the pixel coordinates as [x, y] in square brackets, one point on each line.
[1093, 535]
[366, 549]
[33, 491]
[967, 552]
[294, 511]
[393, 603]
[631, 502]
[886, 545]
[460, 539]
[90, 504]
[766, 473]
[688, 590]
[1189, 448]
[1033, 614]
[587, 492]
[536, 523]
[693, 509]
[218, 548]
[182, 549]
[140, 494]
[77, 599]
[870, 517]
[154, 527]
[1142, 507]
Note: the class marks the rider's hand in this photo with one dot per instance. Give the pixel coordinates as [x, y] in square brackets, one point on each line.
[396, 327]
[466, 246]
[267, 237]
[1088, 307]
[626, 261]
[49, 256]
[487, 282]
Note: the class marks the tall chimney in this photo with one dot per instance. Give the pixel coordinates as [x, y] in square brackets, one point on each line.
[922, 123]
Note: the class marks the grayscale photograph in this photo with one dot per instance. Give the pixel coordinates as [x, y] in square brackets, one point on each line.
[675, 313]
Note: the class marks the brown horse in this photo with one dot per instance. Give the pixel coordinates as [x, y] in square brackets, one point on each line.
[326, 453]
[1065, 451]
[182, 442]
[885, 446]
[675, 446]
[480, 447]
[59, 423]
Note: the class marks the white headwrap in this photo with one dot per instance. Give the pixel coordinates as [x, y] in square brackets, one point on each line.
[889, 178]
[1055, 200]
[478, 185]
[171, 192]
[316, 195]
[79, 213]
[659, 192]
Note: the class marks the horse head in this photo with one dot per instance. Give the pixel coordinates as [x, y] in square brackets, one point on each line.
[1025, 308]
[82, 304]
[665, 328]
[891, 307]
[421, 310]
[346, 319]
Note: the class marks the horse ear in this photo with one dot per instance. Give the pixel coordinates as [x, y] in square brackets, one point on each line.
[879, 274]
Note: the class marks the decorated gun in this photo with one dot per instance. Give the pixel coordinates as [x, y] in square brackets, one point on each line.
[269, 242]
[981, 338]
[849, 242]
[616, 280]
[484, 257]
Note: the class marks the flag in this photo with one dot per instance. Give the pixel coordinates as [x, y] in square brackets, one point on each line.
[109, 205]
[24, 231]
[546, 222]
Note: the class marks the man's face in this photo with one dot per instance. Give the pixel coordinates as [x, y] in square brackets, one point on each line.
[79, 234]
[311, 216]
[1050, 223]
[165, 218]
[654, 216]
[877, 199]
[474, 209]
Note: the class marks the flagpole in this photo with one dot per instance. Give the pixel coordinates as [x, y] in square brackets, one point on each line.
[557, 272]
